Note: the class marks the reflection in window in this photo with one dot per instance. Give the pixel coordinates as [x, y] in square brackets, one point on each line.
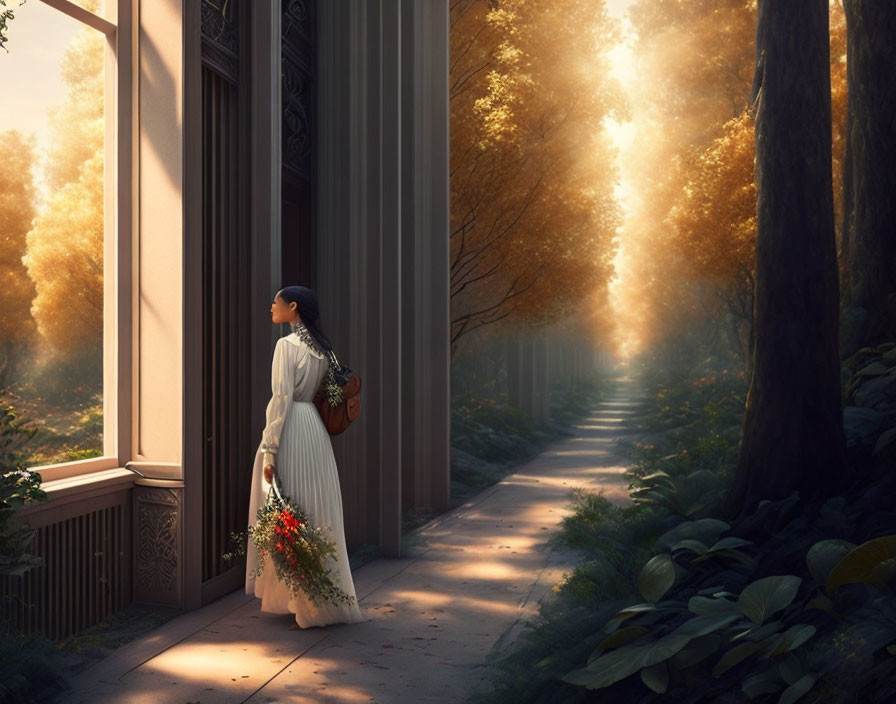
[52, 231]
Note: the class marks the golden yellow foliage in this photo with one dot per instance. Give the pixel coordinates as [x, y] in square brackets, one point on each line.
[533, 214]
[65, 244]
[691, 241]
[16, 212]
[77, 123]
[65, 259]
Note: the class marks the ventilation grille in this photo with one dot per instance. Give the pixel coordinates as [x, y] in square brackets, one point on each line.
[83, 579]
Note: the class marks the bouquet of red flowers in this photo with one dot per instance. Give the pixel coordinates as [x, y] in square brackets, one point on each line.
[296, 548]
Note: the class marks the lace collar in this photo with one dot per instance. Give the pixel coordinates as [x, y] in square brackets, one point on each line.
[305, 336]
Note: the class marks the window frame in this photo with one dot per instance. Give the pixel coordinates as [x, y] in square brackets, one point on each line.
[118, 101]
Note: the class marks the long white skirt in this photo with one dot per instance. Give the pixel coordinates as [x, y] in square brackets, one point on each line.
[306, 473]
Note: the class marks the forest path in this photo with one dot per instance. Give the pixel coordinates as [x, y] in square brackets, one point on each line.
[470, 581]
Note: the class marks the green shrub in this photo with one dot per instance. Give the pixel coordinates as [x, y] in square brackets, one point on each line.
[27, 662]
[18, 487]
[801, 609]
[761, 631]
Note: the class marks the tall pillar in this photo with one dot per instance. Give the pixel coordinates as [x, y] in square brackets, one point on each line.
[425, 247]
[382, 251]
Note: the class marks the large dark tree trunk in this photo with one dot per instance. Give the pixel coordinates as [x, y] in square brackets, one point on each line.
[793, 430]
[869, 176]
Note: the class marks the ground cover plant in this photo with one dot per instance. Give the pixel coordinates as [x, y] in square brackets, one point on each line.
[671, 603]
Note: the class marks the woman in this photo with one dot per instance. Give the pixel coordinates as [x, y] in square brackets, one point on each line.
[296, 445]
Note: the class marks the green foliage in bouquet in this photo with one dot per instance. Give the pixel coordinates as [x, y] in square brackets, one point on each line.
[283, 533]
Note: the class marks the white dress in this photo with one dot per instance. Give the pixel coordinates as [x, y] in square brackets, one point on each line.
[306, 472]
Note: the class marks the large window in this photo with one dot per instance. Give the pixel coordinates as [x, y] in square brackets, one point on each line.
[58, 219]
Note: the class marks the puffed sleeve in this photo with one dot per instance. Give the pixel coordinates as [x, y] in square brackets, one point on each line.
[283, 372]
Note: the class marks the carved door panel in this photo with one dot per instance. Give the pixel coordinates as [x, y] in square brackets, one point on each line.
[299, 41]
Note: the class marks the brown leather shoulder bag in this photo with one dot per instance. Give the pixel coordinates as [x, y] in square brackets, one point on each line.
[338, 400]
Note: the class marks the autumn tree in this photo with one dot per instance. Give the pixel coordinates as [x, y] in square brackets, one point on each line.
[65, 245]
[869, 226]
[693, 60]
[17, 328]
[693, 231]
[714, 222]
[793, 425]
[532, 207]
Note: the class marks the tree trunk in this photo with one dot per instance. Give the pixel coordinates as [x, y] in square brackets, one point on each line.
[793, 430]
[869, 179]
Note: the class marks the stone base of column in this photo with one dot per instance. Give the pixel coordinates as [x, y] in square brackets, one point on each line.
[158, 559]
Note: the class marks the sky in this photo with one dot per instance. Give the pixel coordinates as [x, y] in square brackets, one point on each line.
[29, 72]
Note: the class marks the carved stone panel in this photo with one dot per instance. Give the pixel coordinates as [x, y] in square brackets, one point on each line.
[221, 37]
[158, 564]
[298, 36]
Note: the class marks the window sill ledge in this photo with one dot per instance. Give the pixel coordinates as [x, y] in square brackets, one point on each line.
[82, 486]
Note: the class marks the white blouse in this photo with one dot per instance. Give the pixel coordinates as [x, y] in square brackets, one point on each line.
[297, 371]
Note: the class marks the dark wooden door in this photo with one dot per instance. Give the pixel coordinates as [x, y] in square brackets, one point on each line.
[226, 336]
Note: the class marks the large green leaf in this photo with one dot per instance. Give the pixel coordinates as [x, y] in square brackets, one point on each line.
[798, 688]
[767, 596]
[764, 682]
[627, 613]
[702, 606]
[822, 603]
[861, 564]
[822, 557]
[706, 530]
[623, 636]
[660, 477]
[649, 496]
[757, 633]
[656, 677]
[689, 544]
[701, 625]
[656, 577]
[622, 662]
[730, 543]
[791, 639]
[696, 651]
[790, 668]
[733, 555]
[734, 656]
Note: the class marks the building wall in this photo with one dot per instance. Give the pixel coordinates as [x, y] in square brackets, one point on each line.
[382, 272]
[383, 252]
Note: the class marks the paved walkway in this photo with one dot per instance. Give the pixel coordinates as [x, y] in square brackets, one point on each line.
[459, 598]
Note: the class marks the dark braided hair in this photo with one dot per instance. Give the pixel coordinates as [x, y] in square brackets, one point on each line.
[308, 310]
